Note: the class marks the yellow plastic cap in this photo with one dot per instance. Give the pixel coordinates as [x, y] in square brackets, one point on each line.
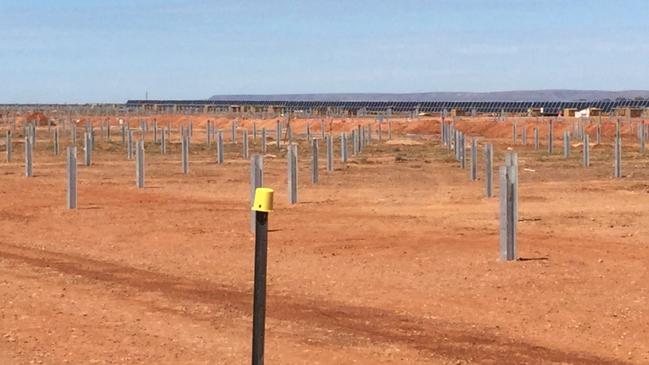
[263, 200]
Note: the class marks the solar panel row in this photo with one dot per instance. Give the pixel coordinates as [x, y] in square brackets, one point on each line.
[552, 107]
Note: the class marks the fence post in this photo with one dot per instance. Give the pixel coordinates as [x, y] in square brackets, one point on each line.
[265, 198]
[129, 146]
[474, 159]
[292, 174]
[536, 139]
[87, 149]
[263, 141]
[72, 178]
[73, 134]
[308, 131]
[508, 208]
[208, 137]
[220, 153]
[163, 141]
[314, 161]
[28, 157]
[256, 181]
[9, 146]
[155, 131]
[322, 129]
[524, 136]
[278, 133]
[139, 165]
[254, 132]
[489, 158]
[598, 133]
[245, 144]
[184, 150]
[330, 153]
[566, 144]
[641, 136]
[380, 133]
[56, 141]
[586, 160]
[618, 151]
[462, 151]
[550, 136]
[389, 130]
[514, 134]
[343, 147]
[234, 132]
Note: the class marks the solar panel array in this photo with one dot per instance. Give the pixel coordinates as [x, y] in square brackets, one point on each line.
[549, 107]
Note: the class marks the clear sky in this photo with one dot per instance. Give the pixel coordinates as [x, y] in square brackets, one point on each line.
[113, 50]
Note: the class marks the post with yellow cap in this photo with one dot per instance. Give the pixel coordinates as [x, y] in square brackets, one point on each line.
[262, 205]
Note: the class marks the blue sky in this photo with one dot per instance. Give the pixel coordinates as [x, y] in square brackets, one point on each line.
[110, 51]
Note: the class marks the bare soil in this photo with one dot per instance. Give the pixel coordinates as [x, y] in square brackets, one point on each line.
[386, 261]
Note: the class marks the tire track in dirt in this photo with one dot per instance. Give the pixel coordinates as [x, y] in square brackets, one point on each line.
[429, 337]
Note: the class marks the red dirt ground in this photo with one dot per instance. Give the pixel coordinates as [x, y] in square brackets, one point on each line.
[383, 262]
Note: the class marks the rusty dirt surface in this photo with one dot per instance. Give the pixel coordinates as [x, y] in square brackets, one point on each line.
[391, 259]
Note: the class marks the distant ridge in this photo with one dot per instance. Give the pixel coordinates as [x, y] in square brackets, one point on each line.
[522, 95]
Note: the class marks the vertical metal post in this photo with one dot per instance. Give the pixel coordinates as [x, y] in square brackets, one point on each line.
[343, 147]
[245, 144]
[292, 174]
[185, 152]
[234, 132]
[220, 153]
[259, 299]
[514, 134]
[73, 134]
[598, 133]
[208, 136]
[87, 149]
[389, 130]
[254, 132]
[289, 133]
[474, 159]
[586, 157]
[139, 165]
[278, 133]
[163, 141]
[56, 141]
[462, 151]
[9, 146]
[155, 131]
[71, 195]
[566, 144]
[263, 140]
[129, 146]
[314, 161]
[524, 136]
[550, 136]
[536, 139]
[641, 136]
[489, 159]
[330, 153]
[28, 156]
[123, 129]
[256, 181]
[508, 208]
[618, 151]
